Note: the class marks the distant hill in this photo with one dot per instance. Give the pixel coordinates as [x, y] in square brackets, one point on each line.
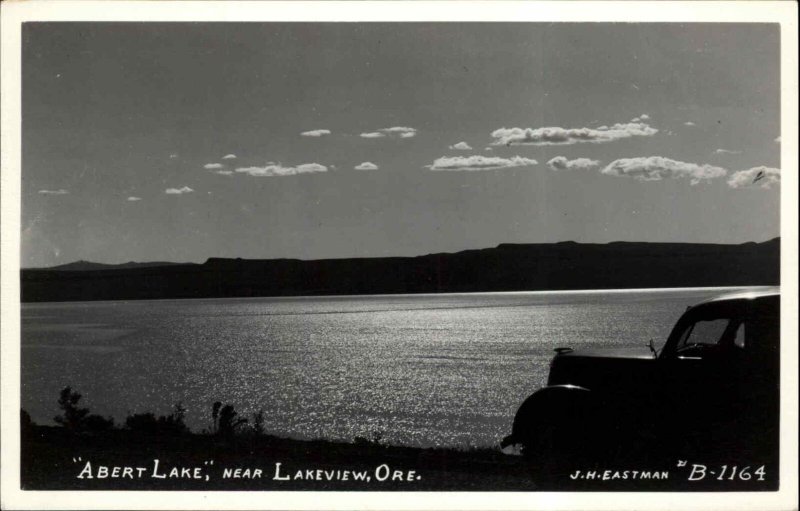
[90, 266]
[507, 267]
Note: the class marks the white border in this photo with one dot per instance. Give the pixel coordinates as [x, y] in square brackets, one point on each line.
[15, 13]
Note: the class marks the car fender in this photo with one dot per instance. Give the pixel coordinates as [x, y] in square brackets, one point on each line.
[544, 404]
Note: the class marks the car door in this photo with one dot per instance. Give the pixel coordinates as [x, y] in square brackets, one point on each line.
[704, 368]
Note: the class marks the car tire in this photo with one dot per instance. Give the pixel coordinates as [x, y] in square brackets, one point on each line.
[560, 439]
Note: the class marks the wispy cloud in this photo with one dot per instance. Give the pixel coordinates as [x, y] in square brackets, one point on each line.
[568, 136]
[562, 163]
[134, 199]
[224, 172]
[400, 131]
[478, 162]
[367, 165]
[689, 123]
[315, 133]
[726, 151]
[213, 166]
[272, 169]
[656, 168]
[178, 191]
[395, 131]
[229, 157]
[461, 146]
[60, 191]
[757, 177]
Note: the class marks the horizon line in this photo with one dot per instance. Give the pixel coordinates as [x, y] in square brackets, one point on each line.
[157, 263]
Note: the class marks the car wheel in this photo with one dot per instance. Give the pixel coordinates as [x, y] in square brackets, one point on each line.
[560, 441]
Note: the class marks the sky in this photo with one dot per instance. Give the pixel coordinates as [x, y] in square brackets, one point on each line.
[184, 141]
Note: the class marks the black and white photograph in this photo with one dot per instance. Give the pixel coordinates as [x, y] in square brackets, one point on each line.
[354, 253]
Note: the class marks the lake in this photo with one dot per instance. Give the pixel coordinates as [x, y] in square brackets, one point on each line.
[422, 370]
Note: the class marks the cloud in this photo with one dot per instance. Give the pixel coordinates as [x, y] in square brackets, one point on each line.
[641, 118]
[488, 148]
[224, 172]
[229, 157]
[777, 140]
[461, 146]
[568, 136]
[725, 151]
[367, 165]
[656, 168]
[272, 169]
[395, 131]
[134, 199]
[178, 191]
[689, 123]
[315, 133]
[213, 166]
[478, 162]
[757, 177]
[60, 191]
[562, 163]
[401, 131]
[173, 156]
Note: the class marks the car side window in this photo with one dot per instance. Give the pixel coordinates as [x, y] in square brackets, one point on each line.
[704, 332]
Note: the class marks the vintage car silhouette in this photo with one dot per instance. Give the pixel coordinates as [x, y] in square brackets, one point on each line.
[710, 393]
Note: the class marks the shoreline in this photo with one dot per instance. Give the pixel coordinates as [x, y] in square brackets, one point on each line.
[544, 292]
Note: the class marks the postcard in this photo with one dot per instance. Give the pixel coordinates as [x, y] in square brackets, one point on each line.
[386, 255]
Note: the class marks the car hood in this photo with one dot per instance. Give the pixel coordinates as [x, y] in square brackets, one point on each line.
[631, 353]
[602, 368]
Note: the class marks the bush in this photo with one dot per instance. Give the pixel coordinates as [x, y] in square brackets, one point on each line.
[73, 417]
[224, 421]
[142, 423]
[148, 424]
[97, 423]
[376, 439]
[175, 420]
[258, 423]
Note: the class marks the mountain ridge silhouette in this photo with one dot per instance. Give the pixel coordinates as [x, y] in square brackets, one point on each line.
[506, 267]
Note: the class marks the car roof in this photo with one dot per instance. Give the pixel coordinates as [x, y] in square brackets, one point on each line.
[750, 294]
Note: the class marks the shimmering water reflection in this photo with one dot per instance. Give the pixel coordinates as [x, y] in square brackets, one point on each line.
[420, 369]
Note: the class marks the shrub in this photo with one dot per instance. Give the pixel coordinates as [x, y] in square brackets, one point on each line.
[175, 420]
[375, 439]
[97, 423]
[215, 416]
[72, 417]
[142, 423]
[258, 423]
[148, 424]
[227, 421]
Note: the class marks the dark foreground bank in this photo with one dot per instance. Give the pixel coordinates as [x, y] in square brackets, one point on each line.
[56, 459]
[53, 458]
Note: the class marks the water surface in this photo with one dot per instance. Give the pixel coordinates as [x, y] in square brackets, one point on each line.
[423, 370]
